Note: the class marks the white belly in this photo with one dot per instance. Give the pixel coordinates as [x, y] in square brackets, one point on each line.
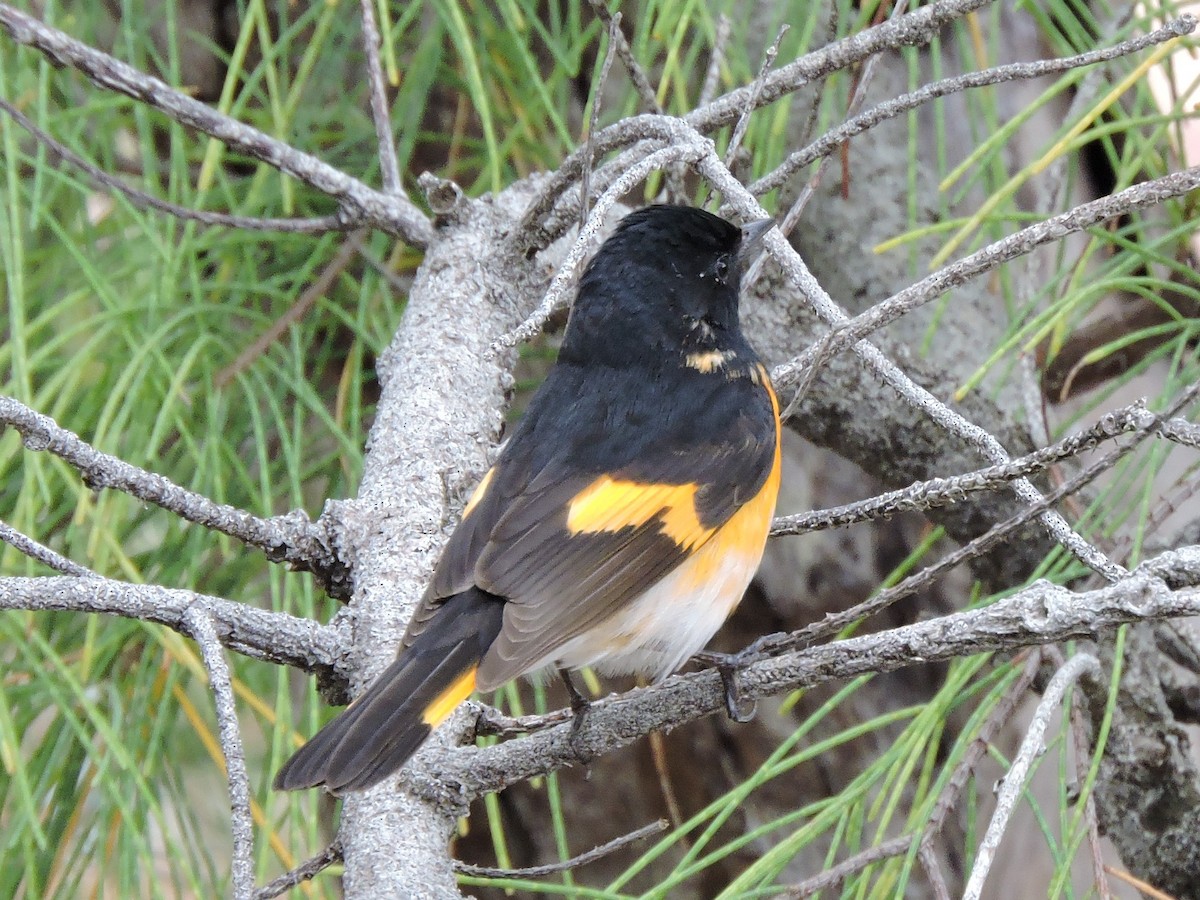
[672, 621]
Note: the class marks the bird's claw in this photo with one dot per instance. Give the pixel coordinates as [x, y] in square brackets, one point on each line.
[580, 706]
[727, 665]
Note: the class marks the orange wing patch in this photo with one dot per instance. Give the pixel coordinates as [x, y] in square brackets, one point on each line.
[610, 505]
[446, 702]
[745, 534]
[479, 491]
[741, 538]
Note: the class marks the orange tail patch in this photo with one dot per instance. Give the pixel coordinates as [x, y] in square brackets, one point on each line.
[447, 701]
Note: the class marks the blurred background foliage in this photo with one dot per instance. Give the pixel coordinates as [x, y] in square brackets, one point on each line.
[142, 334]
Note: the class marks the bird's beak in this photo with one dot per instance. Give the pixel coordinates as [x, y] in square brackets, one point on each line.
[752, 235]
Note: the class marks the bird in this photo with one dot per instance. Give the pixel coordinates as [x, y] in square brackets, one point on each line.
[622, 521]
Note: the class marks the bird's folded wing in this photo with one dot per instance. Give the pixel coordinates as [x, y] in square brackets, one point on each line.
[568, 549]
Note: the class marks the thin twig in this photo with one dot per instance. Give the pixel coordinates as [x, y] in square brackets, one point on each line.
[846, 333]
[999, 716]
[938, 492]
[389, 167]
[641, 84]
[641, 81]
[257, 633]
[814, 110]
[743, 122]
[143, 200]
[1031, 748]
[832, 623]
[199, 623]
[290, 538]
[400, 284]
[933, 870]
[830, 141]
[1133, 881]
[918, 397]
[716, 58]
[1031, 276]
[1033, 398]
[658, 755]
[1166, 507]
[360, 204]
[22, 543]
[614, 35]
[307, 870]
[1079, 740]
[574, 862]
[298, 310]
[831, 878]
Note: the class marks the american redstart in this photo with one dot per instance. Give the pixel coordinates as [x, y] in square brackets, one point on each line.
[621, 523]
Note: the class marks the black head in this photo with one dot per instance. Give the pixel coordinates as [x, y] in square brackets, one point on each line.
[663, 288]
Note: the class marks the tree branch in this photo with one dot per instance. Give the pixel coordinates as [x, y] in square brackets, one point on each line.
[257, 633]
[1031, 748]
[949, 420]
[289, 538]
[360, 204]
[295, 313]
[200, 624]
[143, 200]
[22, 543]
[937, 492]
[605, 849]
[1042, 613]
[835, 875]
[389, 168]
[307, 870]
[831, 140]
[1020, 243]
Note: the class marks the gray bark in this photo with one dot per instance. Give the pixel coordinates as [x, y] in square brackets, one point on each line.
[439, 415]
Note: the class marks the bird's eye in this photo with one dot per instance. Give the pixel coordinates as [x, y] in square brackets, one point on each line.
[721, 268]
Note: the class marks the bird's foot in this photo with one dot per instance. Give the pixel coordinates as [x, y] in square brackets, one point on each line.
[727, 665]
[580, 706]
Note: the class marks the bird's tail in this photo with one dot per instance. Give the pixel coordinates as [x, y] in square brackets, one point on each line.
[381, 729]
